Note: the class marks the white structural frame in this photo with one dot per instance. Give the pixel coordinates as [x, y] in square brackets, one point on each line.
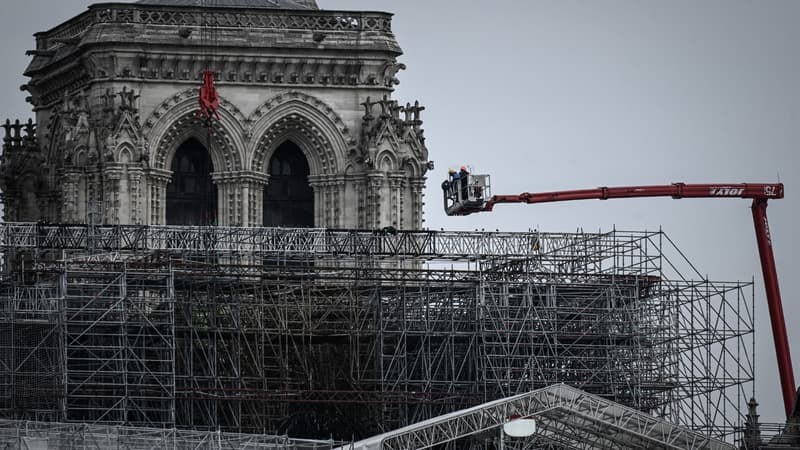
[565, 416]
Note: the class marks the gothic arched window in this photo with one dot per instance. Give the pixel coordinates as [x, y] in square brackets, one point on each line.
[288, 198]
[191, 196]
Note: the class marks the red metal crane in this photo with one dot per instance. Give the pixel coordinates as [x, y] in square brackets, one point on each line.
[465, 193]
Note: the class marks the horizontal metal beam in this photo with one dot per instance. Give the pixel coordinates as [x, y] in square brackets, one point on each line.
[314, 241]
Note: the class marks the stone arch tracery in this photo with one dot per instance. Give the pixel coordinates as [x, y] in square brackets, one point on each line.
[125, 153]
[387, 162]
[79, 156]
[174, 122]
[242, 146]
[322, 137]
[182, 123]
[315, 145]
[326, 140]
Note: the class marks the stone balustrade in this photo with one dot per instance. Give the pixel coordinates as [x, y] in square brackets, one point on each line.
[316, 20]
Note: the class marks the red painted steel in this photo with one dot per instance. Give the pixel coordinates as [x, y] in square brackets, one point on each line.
[209, 100]
[774, 303]
[676, 190]
[760, 193]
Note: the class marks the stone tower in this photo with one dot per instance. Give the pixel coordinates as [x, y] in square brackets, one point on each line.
[309, 134]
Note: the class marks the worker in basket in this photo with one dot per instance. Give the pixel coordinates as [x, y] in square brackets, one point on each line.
[451, 176]
[464, 176]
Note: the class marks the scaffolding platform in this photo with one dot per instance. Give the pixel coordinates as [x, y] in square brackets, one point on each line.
[318, 333]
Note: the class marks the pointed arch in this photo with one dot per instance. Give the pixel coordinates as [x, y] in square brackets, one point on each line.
[191, 196]
[288, 199]
[412, 167]
[80, 156]
[309, 122]
[175, 121]
[387, 161]
[125, 153]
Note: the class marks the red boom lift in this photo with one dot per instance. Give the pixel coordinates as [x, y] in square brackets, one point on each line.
[469, 194]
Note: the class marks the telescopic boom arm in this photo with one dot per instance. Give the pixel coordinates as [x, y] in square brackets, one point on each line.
[469, 194]
[676, 190]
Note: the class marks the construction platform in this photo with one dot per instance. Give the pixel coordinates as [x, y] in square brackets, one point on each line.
[345, 334]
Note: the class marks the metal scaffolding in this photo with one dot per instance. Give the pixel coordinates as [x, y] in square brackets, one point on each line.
[564, 417]
[347, 333]
[27, 435]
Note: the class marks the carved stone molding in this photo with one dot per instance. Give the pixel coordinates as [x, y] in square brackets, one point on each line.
[251, 70]
[241, 176]
[176, 120]
[316, 127]
[394, 132]
[179, 98]
[154, 15]
[289, 115]
[319, 105]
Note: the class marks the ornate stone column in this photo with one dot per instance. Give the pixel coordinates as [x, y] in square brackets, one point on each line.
[374, 200]
[112, 177]
[351, 201]
[396, 200]
[240, 197]
[70, 197]
[329, 197]
[317, 185]
[417, 199]
[328, 202]
[253, 184]
[227, 203]
[135, 187]
[360, 186]
[157, 198]
[339, 197]
[94, 200]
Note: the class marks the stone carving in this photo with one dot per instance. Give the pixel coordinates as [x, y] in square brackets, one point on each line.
[176, 119]
[108, 148]
[297, 120]
[391, 155]
[128, 100]
[413, 114]
[390, 70]
[182, 97]
[20, 168]
[13, 137]
[100, 150]
[108, 101]
[403, 134]
[99, 65]
[318, 104]
[84, 156]
[124, 14]
[368, 105]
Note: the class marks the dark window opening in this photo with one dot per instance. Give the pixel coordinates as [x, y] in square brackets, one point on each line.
[288, 198]
[191, 196]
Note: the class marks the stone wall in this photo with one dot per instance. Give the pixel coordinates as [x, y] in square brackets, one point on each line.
[110, 119]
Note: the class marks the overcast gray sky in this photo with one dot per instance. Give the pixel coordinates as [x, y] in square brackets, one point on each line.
[548, 95]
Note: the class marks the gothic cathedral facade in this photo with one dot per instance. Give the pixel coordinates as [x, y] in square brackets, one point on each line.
[308, 132]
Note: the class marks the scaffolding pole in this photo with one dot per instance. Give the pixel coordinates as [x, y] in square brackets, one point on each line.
[320, 333]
